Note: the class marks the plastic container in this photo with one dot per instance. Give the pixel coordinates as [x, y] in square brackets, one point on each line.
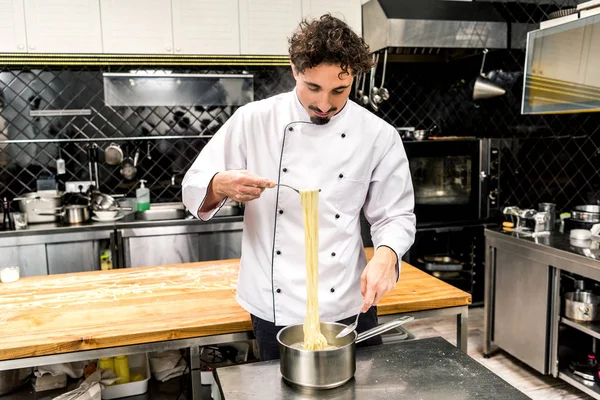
[142, 195]
[138, 364]
[10, 274]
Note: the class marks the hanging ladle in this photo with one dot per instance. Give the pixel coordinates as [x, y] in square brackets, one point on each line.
[363, 96]
[383, 92]
[374, 97]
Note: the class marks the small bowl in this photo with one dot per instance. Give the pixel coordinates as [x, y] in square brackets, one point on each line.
[106, 215]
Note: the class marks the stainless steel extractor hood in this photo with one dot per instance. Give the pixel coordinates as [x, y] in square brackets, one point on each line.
[432, 26]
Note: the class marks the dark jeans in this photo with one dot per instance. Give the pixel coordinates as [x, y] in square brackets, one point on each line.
[266, 333]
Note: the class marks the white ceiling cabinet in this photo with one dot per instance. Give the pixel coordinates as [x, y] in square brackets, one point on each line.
[137, 26]
[266, 25]
[63, 26]
[12, 27]
[206, 27]
[349, 11]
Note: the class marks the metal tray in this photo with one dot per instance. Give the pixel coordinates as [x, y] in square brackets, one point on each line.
[440, 263]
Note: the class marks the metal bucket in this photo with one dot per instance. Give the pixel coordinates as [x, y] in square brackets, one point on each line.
[324, 369]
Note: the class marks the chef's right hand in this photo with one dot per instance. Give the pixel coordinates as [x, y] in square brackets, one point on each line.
[240, 185]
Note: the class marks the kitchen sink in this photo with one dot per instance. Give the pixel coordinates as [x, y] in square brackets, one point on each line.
[163, 211]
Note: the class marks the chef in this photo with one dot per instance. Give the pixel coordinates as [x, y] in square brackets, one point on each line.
[312, 137]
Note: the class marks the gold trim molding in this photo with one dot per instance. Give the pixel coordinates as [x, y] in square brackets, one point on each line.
[38, 59]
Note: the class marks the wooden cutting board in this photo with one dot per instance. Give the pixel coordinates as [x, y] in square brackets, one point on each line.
[62, 313]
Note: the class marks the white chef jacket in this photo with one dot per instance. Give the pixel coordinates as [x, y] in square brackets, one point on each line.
[357, 160]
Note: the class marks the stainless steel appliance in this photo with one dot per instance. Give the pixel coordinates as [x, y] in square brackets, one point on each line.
[456, 193]
[433, 24]
[454, 180]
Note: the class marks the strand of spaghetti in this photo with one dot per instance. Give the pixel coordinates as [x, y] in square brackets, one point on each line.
[313, 338]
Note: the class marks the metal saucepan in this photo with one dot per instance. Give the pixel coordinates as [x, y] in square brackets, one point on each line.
[582, 306]
[72, 214]
[324, 369]
[586, 213]
[43, 200]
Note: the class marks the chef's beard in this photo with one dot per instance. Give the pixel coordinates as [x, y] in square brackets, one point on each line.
[319, 120]
[315, 119]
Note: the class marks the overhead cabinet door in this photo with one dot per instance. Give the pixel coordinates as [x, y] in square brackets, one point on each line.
[137, 26]
[266, 25]
[349, 11]
[60, 26]
[12, 27]
[206, 27]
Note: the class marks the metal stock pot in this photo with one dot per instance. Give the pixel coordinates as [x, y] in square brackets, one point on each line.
[324, 369]
[43, 200]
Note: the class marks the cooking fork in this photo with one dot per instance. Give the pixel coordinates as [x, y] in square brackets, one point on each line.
[290, 187]
[350, 327]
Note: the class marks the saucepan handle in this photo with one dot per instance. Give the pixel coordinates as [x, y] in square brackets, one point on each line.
[379, 329]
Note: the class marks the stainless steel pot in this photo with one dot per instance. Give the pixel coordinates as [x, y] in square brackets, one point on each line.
[13, 379]
[44, 201]
[324, 369]
[586, 213]
[72, 214]
[582, 306]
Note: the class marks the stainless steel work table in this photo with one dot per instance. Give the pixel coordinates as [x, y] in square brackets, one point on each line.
[417, 369]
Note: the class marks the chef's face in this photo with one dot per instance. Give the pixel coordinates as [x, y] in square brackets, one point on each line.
[323, 91]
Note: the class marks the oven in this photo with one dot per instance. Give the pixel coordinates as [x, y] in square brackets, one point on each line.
[454, 180]
[456, 195]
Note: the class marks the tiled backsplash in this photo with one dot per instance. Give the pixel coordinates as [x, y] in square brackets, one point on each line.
[544, 158]
[162, 163]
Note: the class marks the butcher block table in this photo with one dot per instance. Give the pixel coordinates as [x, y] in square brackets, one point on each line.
[88, 315]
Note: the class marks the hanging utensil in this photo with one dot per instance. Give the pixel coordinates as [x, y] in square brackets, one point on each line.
[383, 92]
[90, 163]
[374, 97]
[60, 163]
[113, 155]
[128, 169]
[95, 157]
[363, 95]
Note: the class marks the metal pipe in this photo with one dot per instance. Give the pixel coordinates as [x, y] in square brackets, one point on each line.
[105, 139]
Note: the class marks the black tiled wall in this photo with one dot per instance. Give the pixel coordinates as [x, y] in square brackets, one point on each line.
[544, 158]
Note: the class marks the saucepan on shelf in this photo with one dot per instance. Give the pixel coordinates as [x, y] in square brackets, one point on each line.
[582, 306]
[324, 369]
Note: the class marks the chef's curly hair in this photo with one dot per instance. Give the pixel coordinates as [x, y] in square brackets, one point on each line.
[328, 40]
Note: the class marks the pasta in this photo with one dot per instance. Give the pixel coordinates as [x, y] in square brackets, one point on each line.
[313, 338]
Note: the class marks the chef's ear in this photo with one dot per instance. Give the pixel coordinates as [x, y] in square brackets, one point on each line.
[294, 71]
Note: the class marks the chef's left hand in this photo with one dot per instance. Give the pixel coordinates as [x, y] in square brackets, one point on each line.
[378, 277]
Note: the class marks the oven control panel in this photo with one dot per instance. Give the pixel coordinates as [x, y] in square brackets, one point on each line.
[493, 186]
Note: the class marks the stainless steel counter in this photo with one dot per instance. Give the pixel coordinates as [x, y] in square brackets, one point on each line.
[92, 230]
[525, 279]
[417, 369]
[579, 257]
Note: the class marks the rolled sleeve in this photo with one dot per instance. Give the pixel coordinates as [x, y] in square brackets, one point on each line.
[389, 206]
[225, 151]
